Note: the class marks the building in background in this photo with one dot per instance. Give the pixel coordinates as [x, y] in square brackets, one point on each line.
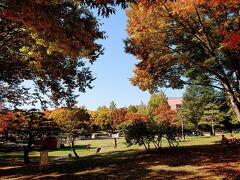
[174, 102]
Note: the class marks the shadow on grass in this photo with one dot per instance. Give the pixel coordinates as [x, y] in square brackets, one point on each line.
[193, 162]
[69, 148]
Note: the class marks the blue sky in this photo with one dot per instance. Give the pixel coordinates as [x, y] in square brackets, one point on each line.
[114, 69]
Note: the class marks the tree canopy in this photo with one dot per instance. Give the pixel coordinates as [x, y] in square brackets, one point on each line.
[178, 41]
[49, 43]
[155, 101]
[195, 98]
[29, 127]
[73, 122]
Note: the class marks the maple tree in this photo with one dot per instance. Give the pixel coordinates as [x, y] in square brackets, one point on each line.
[167, 124]
[73, 122]
[28, 127]
[178, 41]
[132, 108]
[134, 116]
[116, 117]
[41, 39]
[5, 118]
[49, 43]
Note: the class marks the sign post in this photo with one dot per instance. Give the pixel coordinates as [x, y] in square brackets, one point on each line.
[43, 160]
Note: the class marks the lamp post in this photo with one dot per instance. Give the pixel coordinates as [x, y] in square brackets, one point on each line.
[182, 122]
[182, 127]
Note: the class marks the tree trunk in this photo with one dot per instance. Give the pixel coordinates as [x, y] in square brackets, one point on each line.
[74, 151]
[213, 131]
[235, 102]
[144, 145]
[236, 106]
[26, 154]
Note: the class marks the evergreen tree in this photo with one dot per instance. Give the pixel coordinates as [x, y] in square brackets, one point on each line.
[112, 105]
[195, 98]
[211, 116]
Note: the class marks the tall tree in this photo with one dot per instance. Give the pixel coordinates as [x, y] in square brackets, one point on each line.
[166, 120]
[73, 122]
[195, 98]
[177, 41]
[30, 126]
[212, 116]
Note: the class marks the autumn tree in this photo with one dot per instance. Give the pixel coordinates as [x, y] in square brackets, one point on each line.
[134, 116]
[5, 118]
[167, 125]
[179, 41]
[154, 101]
[28, 127]
[73, 122]
[144, 131]
[142, 108]
[116, 117]
[130, 117]
[132, 108]
[37, 38]
[101, 118]
[49, 43]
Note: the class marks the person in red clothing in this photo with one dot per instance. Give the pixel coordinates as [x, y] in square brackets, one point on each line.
[224, 140]
[233, 139]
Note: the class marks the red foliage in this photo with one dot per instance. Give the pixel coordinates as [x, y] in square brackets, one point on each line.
[164, 114]
[4, 118]
[131, 117]
[117, 116]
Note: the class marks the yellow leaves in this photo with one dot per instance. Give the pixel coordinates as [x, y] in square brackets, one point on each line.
[27, 52]
[40, 42]
[24, 49]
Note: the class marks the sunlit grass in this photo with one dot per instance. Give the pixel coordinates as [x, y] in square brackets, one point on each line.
[198, 157]
[106, 146]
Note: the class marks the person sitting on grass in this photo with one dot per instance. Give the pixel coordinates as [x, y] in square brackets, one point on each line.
[224, 140]
[233, 139]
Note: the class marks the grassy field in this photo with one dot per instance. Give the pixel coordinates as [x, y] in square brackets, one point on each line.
[196, 158]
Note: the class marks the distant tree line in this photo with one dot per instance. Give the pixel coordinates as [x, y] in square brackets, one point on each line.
[203, 109]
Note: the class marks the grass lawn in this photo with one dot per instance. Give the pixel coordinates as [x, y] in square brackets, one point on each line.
[196, 158]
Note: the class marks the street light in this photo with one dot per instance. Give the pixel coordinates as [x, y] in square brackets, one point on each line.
[182, 121]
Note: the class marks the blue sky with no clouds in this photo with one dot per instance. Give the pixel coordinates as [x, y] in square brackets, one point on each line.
[113, 70]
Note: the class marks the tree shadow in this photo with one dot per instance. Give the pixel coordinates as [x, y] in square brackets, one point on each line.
[69, 148]
[193, 162]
